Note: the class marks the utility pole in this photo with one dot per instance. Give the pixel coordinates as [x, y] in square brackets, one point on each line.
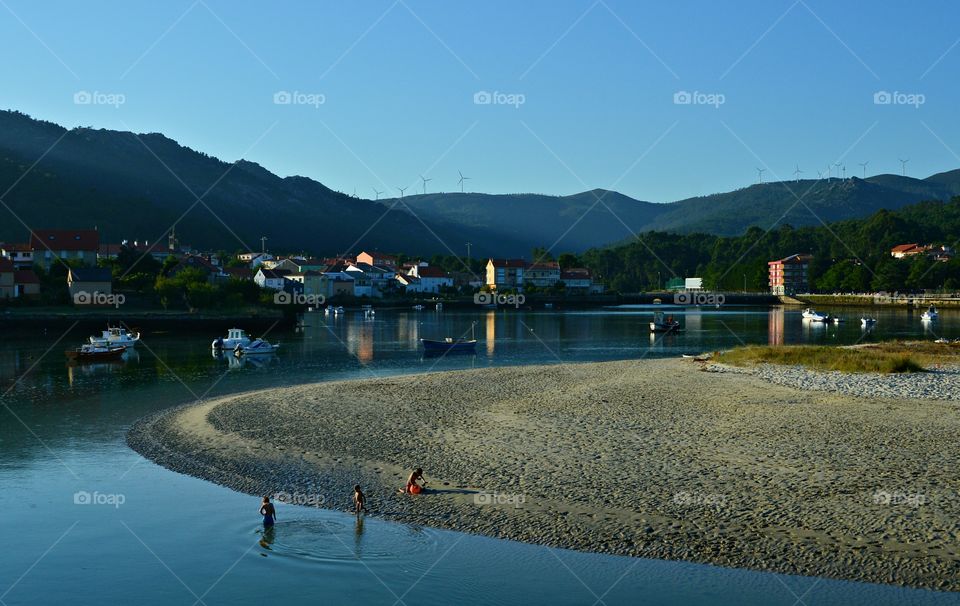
[468, 253]
[263, 244]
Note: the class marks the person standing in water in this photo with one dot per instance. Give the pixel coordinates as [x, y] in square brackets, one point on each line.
[268, 512]
[359, 500]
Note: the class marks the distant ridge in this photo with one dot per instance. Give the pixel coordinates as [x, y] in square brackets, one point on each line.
[129, 187]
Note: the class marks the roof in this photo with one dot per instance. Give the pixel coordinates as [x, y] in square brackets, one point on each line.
[432, 272]
[408, 279]
[65, 239]
[903, 247]
[6, 265]
[274, 273]
[509, 263]
[575, 274]
[19, 247]
[305, 274]
[380, 256]
[544, 265]
[25, 276]
[791, 259]
[91, 274]
[239, 272]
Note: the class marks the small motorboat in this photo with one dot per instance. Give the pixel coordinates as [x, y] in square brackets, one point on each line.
[89, 352]
[868, 321]
[439, 306]
[837, 320]
[114, 336]
[338, 310]
[449, 345]
[930, 314]
[664, 324]
[418, 307]
[235, 336]
[814, 316]
[256, 347]
[369, 312]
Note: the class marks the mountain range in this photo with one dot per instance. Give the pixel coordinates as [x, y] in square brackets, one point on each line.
[136, 186]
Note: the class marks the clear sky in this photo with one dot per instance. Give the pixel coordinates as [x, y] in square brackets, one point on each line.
[587, 89]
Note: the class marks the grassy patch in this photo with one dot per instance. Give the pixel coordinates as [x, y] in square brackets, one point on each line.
[882, 358]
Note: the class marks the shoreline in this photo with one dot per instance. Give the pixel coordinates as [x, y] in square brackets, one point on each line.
[640, 458]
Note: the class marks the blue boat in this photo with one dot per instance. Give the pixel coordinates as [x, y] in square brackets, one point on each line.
[449, 345]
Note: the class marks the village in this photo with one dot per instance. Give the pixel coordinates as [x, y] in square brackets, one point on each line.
[83, 271]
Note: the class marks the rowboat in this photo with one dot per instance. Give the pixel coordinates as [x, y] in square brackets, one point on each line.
[88, 352]
[661, 324]
[448, 345]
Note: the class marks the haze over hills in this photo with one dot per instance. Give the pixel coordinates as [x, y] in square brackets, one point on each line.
[133, 186]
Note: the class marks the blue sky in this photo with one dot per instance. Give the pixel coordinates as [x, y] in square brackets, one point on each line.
[587, 89]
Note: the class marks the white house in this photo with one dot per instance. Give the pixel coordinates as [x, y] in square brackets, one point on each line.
[271, 278]
[255, 259]
[432, 279]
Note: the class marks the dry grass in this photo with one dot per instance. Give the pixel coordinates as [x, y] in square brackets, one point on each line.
[894, 357]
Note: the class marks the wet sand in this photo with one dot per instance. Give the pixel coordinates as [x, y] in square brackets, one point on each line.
[642, 458]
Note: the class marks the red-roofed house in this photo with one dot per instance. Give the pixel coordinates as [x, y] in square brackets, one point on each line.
[49, 245]
[20, 254]
[432, 279]
[908, 250]
[543, 275]
[506, 273]
[376, 258]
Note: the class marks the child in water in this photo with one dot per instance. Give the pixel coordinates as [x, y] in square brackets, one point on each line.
[268, 512]
[359, 500]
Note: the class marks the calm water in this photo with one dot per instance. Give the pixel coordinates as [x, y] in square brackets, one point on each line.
[178, 540]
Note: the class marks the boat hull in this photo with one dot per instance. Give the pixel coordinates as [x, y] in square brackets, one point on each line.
[433, 346]
[114, 353]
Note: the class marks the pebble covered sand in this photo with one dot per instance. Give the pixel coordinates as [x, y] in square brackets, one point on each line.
[647, 458]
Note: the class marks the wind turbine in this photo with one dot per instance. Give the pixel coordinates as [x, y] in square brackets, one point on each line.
[844, 169]
[462, 179]
[863, 165]
[425, 181]
[797, 173]
[760, 172]
[903, 165]
[403, 189]
[376, 193]
[837, 164]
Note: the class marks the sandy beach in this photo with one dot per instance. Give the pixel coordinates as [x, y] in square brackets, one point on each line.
[653, 458]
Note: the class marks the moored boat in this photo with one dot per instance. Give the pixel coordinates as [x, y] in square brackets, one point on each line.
[930, 314]
[115, 336]
[235, 336]
[89, 352]
[255, 348]
[448, 345]
[814, 316]
[867, 321]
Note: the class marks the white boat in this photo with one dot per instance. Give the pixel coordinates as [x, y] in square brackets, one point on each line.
[368, 311]
[814, 316]
[838, 320]
[930, 314]
[439, 306]
[115, 337]
[338, 310]
[255, 347]
[868, 321]
[418, 307]
[235, 336]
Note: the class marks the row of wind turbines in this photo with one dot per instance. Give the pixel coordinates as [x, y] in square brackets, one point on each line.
[841, 170]
[377, 193]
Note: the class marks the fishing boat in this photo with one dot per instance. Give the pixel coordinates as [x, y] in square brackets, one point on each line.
[256, 347]
[930, 314]
[235, 336]
[89, 352]
[114, 336]
[664, 324]
[814, 316]
[448, 345]
[868, 321]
